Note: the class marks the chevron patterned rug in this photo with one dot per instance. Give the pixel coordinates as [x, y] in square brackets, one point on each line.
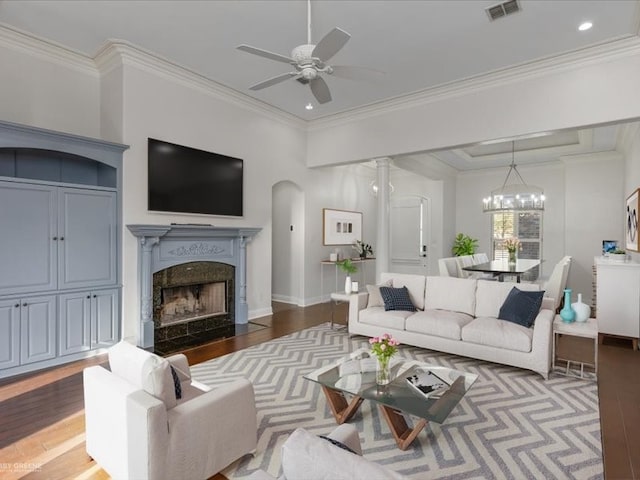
[511, 425]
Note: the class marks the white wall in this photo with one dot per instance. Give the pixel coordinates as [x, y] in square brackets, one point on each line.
[39, 91]
[594, 202]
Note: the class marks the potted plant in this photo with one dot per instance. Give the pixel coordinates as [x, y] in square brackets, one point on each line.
[464, 245]
[362, 248]
[347, 267]
[618, 255]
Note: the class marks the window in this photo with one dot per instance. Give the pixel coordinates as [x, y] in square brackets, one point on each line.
[527, 226]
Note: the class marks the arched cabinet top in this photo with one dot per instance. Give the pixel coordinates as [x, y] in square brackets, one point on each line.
[13, 135]
[37, 154]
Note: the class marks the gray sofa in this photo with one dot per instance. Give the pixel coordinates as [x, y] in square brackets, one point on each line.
[458, 316]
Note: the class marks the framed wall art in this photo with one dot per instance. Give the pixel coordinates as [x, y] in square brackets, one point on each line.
[341, 227]
[631, 222]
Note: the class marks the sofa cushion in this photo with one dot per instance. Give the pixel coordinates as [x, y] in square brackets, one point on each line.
[375, 299]
[450, 293]
[307, 457]
[491, 295]
[521, 307]
[396, 299]
[439, 323]
[414, 283]
[377, 316]
[498, 333]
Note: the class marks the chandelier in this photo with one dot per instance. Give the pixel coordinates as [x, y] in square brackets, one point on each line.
[514, 196]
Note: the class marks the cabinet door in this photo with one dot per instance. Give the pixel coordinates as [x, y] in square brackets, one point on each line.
[37, 329]
[104, 318]
[28, 240]
[74, 322]
[618, 300]
[87, 246]
[9, 333]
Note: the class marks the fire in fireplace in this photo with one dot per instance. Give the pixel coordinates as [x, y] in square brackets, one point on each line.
[192, 302]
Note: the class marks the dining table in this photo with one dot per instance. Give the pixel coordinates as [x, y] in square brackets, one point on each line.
[502, 268]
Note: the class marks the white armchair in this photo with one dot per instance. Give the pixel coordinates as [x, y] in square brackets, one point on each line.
[136, 428]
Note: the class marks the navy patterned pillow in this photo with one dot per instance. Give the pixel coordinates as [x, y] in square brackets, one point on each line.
[521, 307]
[177, 388]
[337, 444]
[397, 299]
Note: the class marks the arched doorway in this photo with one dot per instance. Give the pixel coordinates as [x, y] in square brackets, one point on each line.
[287, 243]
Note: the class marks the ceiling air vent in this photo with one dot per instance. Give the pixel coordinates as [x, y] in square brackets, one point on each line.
[503, 9]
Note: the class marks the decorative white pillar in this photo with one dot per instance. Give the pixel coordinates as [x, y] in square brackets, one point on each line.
[383, 235]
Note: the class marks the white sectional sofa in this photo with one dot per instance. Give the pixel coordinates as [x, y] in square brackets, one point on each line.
[459, 316]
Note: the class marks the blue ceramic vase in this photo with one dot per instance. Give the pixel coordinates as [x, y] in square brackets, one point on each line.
[567, 313]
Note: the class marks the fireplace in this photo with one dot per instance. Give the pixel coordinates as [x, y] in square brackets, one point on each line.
[193, 299]
[187, 255]
[192, 302]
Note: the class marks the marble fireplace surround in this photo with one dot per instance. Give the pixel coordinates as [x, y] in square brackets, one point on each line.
[163, 246]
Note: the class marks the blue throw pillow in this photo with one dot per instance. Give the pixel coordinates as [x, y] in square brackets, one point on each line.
[396, 299]
[521, 307]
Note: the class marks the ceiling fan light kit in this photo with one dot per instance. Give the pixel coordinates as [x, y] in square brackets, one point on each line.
[309, 61]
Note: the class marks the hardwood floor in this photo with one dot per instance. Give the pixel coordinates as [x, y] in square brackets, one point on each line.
[42, 418]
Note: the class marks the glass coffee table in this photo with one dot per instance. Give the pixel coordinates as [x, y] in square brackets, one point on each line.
[395, 399]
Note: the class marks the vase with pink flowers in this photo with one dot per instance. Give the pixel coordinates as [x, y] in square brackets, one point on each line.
[512, 245]
[383, 347]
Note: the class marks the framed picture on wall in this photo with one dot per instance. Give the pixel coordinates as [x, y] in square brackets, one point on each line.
[341, 227]
[631, 222]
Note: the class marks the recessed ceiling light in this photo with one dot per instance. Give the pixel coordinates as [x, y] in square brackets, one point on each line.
[308, 106]
[585, 26]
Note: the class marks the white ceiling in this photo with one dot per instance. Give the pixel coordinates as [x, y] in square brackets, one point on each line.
[419, 44]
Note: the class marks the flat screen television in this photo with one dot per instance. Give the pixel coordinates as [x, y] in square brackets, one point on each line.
[187, 180]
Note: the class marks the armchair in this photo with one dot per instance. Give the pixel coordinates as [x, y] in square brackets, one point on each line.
[136, 428]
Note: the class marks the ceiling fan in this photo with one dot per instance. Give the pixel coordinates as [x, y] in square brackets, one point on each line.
[309, 62]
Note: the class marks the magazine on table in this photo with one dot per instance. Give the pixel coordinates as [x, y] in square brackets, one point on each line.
[427, 383]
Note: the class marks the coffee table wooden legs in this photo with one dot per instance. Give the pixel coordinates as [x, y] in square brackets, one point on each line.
[342, 410]
[399, 428]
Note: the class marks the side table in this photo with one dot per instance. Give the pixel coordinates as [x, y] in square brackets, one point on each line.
[336, 298]
[588, 329]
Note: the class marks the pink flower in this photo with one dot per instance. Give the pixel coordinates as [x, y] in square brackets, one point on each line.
[386, 336]
[374, 340]
[393, 342]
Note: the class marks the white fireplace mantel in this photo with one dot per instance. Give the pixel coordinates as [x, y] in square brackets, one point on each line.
[163, 246]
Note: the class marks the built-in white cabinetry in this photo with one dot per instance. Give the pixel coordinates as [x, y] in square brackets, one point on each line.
[618, 297]
[59, 247]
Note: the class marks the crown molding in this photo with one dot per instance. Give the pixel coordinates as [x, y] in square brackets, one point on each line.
[617, 48]
[114, 53]
[24, 42]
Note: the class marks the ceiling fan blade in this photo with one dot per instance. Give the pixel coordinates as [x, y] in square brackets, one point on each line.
[272, 81]
[330, 44]
[264, 53]
[320, 90]
[356, 73]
